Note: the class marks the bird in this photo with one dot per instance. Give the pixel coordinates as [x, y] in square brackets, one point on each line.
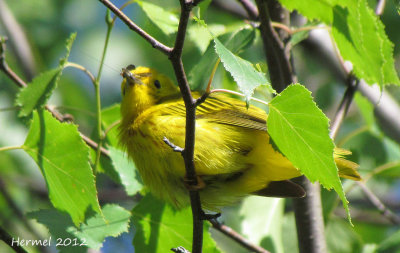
[234, 155]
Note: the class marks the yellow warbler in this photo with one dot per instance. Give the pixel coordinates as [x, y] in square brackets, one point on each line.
[233, 156]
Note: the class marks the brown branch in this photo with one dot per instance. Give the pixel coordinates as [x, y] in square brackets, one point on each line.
[4, 66]
[386, 212]
[279, 66]
[19, 41]
[190, 104]
[352, 84]
[250, 9]
[237, 237]
[155, 43]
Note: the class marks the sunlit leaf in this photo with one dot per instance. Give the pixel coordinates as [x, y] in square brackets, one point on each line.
[163, 19]
[242, 71]
[359, 35]
[63, 159]
[361, 39]
[234, 41]
[300, 131]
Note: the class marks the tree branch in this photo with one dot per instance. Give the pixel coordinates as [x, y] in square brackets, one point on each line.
[308, 211]
[352, 84]
[19, 41]
[250, 9]
[237, 237]
[279, 66]
[155, 43]
[386, 212]
[4, 66]
[190, 104]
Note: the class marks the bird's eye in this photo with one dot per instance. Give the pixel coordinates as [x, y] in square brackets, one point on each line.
[157, 84]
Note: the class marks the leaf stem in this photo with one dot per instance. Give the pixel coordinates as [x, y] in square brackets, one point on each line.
[10, 148]
[237, 237]
[239, 94]
[82, 68]
[100, 135]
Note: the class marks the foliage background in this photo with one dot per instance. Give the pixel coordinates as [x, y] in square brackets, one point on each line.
[48, 24]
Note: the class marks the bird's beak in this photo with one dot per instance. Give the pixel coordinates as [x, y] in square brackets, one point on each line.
[130, 77]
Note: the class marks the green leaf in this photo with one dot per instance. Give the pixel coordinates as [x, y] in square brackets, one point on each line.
[341, 237]
[159, 227]
[234, 41]
[242, 71]
[35, 95]
[167, 21]
[201, 35]
[60, 226]
[302, 35]
[300, 130]
[68, 46]
[92, 233]
[202, 8]
[128, 174]
[37, 92]
[63, 159]
[312, 9]
[359, 35]
[114, 222]
[361, 39]
[265, 232]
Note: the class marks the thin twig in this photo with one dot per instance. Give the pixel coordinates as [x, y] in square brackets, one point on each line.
[155, 43]
[18, 41]
[4, 66]
[279, 65]
[173, 146]
[83, 69]
[250, 9]
[238, 94]
[386, 212]
[341, 112]
[94, 145]
[237, 237]
[190, 105]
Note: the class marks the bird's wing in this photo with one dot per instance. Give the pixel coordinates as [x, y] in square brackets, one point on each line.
[223, 110]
